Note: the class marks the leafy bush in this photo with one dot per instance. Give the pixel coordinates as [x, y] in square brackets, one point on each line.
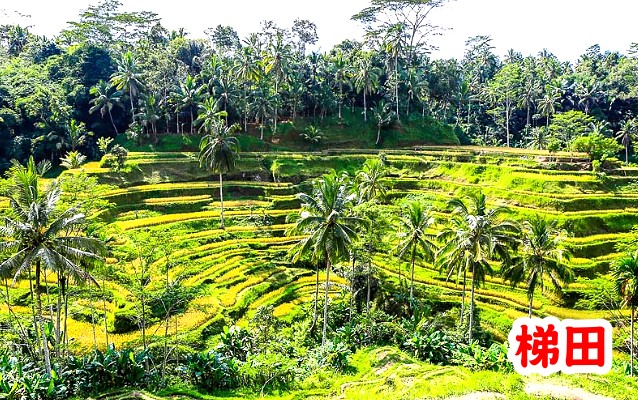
[236, 343]
[268, 370]
[475, 357]
[100, 371]
[334, 354]
[597, 146]
[433, 345]
[212, 371]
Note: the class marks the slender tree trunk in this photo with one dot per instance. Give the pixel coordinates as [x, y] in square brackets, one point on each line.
[626, 154]
[472, 304]
[130, 96]
[507, 124]
[276, 97]
[325, 304]
[93, 318]
[192, 121]
[45, 346]
[412, 278]
[378, 134]
[531, 304]
[352, 288]
[38, 342]
[58, 322]
[463, 298]
[106, 325]
[340, 97]
[113, 123]
[396, 85]
[314, 307]
[177, 122]
[631, 344]
[221, 200]
[365, 107]
[368, 289]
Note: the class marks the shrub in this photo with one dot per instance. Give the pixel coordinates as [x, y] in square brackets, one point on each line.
[432, 345]
[100, 371]
[475, 357]
[334, 354]
[212, 371]
[268, 370]
[236, 343]
[597, 146]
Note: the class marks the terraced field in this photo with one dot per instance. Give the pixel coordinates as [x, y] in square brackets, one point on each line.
[168, 202]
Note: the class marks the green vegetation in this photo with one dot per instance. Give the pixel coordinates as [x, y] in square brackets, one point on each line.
[130, 271]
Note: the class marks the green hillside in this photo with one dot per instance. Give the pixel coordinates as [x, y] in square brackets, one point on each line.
[162, 227]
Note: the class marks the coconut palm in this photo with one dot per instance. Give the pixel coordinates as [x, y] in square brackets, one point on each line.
[627, 135]
[218, 152]
[383, 115]
[127, 78]
[541, 258]
[475, 237]
[369, 181]
[103, 101]
[276, 61]
[625, 273]
[366, 78]
[341, 76]
[331, 228]
[414, 225]
[547, 107]
[37, 234]
[188, 96]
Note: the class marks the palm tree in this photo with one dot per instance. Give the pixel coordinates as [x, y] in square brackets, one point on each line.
[189, 95]
[77, 134]
[37, 234]
[537, 139]
[148, 116]
[369, 181]
[547, 107]
[312, 135]
[366, 78]
[394, 46]
[383, 115]
[415, 222]
[104, 101]
[276, 65]
[541, 257]
[475, 237]
[218, 152]
[247, 71]
[341, 76]
[262, 106]
[331, 229]
[127, 78]
[627, 135]
[625, 274]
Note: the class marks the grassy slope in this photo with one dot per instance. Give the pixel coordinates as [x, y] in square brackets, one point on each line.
[234, 272]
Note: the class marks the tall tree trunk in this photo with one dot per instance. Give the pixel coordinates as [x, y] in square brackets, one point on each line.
[352, 289]
[221, 200]
[396, 85]
[627, 154]
[192, 121]
[325, 304]
[412, 278]
[177, 122]
[368, 289]
[130, 96]
[276, 99]
[45, 346]
[340, 97]
[378, 134]
[463, 298]
[314, 307]
[472, 304]
[113, 123]
[106, 325]
[531, 304]
[365, 107]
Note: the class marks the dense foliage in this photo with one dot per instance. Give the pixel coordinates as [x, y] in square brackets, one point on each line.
[113, 72]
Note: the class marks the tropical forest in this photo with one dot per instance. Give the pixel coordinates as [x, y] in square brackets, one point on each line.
[246, 216]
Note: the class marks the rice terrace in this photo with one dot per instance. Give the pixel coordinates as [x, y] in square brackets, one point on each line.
[247, 217]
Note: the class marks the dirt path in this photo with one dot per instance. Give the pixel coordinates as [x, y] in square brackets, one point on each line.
[562, 392]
